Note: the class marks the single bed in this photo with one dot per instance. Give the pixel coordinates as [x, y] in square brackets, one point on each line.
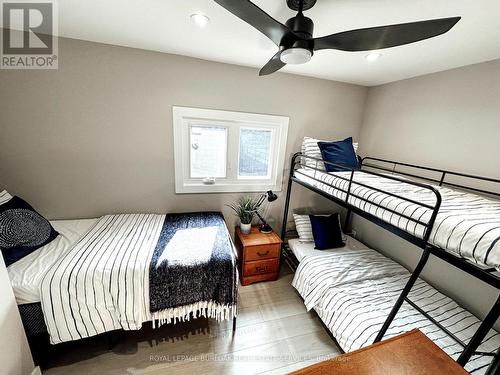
[467, 225]
[118, 271]
[353, 289]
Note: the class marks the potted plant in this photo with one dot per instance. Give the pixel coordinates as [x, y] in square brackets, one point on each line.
[245, 208]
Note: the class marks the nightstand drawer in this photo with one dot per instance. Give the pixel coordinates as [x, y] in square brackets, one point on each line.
[262, 252]
[260, 267]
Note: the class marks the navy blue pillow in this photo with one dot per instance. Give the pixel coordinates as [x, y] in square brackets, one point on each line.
[339, 152]
[22, 230]
[327, 231]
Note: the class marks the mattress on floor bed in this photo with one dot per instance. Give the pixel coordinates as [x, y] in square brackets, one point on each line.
[26, 274]
[353, 292]
[467, 224]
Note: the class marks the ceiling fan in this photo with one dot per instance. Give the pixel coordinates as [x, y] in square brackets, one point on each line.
[297, 45]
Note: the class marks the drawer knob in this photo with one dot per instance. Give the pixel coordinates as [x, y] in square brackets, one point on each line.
[263, 254]
[261, 269]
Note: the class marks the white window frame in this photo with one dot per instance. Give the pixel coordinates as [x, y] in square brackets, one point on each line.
[185, 117]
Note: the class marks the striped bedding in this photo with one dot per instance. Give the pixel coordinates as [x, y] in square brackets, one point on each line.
[103, 282]
[467, 224]
[353, 291]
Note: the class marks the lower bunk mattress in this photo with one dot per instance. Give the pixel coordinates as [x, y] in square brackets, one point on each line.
[125, 270]
[354, 288]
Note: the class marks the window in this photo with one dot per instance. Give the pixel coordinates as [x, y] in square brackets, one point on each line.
[222, 151]
[208, 147]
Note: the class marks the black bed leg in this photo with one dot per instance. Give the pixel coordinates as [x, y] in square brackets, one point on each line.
[480, 334]
[234, 324]
[411, 281]
[110, 340]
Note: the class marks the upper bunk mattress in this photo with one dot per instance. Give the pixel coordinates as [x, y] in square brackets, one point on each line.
[467, 224]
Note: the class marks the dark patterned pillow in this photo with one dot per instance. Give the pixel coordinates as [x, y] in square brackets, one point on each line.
[22, 230]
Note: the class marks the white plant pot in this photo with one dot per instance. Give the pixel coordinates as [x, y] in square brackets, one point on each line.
[245, 228]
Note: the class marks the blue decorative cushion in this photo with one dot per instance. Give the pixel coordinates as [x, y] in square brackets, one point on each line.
[339, 152]
[327, 231]
[22, 230]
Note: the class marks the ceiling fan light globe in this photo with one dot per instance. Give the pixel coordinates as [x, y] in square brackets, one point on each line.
[296, 55]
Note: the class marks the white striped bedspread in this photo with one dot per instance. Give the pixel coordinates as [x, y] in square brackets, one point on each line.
[102, 283]
[467, 224]
[354, 291]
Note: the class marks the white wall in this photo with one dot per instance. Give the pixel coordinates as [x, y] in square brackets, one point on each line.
[15, 356]
[449, 120]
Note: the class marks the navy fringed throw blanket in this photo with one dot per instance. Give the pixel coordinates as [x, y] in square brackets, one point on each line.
[193, 268]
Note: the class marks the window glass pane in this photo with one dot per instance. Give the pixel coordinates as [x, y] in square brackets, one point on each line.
[208, 151]
[255, 152]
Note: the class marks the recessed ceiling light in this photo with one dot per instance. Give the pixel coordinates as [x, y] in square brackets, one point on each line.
[200, 19]
[373, 56]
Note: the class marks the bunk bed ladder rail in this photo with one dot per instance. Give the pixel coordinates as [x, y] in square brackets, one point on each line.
[416, 272]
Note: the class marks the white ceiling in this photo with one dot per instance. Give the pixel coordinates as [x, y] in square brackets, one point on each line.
[165, 25]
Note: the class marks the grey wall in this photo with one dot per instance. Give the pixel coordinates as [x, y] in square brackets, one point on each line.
[95, 136]
[448, 120]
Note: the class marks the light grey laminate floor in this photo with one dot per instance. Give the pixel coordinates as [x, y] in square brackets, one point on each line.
[274, 335]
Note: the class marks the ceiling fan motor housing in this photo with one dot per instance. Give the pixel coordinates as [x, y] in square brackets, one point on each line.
[301, 25]
[295, 4]
[304, 27]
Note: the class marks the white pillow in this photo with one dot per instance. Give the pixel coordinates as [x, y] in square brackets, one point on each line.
[5, 197]
[310, 148]
[303, 227]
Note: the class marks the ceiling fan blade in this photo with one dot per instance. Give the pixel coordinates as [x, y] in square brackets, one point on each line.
[272, 65]
[385, 36]
[256, 17]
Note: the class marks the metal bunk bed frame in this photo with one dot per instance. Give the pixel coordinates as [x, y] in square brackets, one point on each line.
[486, 275]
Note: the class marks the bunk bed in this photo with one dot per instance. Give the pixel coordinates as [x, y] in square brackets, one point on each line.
[432, 209]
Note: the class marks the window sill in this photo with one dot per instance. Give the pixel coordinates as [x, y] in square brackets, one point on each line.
[200, 188]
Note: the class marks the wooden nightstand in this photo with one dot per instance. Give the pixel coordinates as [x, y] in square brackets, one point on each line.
[258, 256]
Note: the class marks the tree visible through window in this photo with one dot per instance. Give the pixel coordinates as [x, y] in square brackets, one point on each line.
[255, 153]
